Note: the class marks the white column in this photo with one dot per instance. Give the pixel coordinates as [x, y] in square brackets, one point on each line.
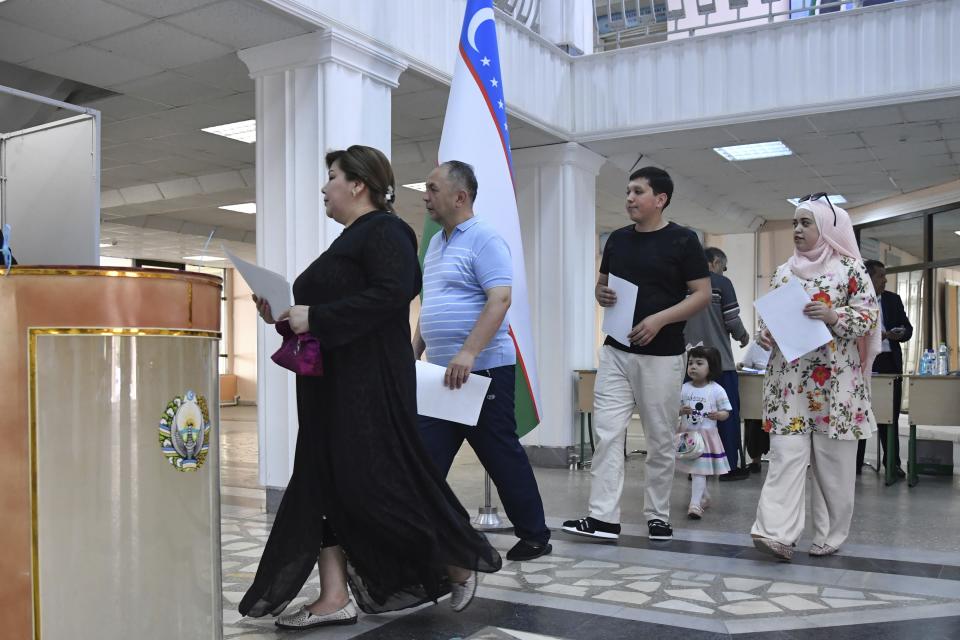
[569, 24]
[556, 196]
[315, 93]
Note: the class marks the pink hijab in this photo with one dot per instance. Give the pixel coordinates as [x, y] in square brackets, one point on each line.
[835, 240]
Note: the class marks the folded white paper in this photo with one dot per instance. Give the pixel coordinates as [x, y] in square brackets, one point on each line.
[266, 284]
[618, 319]
[435, 400]
[782, 312]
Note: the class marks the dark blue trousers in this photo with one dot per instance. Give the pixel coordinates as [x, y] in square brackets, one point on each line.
[496, 444]
[729, 429]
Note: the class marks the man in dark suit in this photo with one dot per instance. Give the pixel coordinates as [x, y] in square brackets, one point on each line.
[895, 328]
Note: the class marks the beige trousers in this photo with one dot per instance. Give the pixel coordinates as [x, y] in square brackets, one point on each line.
[652, 384]
[780, 514]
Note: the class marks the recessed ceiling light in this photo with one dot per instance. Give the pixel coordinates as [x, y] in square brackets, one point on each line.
[243, 207]
[756, 151]
[835, 199]
[203, 258]
[417, 186]
[244, 131]
[957, 232]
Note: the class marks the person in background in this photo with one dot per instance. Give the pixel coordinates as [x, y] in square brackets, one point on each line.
[703, 404]
[713, 327]
[817, 406]
[895, 328]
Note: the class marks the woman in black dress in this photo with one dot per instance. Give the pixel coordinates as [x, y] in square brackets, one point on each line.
[364, 496]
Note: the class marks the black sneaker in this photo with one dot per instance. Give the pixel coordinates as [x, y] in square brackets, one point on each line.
[660, 530]
[592, 528]
[754, 467]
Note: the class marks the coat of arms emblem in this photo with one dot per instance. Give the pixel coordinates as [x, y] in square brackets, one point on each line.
[185, 431]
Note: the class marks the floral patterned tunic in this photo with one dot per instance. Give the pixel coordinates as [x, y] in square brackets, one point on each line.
[824, 391]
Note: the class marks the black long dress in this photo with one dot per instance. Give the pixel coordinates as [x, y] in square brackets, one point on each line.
[359, 466]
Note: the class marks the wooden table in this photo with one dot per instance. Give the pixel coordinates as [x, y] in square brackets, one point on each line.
[586, 378]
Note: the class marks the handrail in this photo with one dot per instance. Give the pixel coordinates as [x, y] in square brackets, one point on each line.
[648, 28]
[526, 12]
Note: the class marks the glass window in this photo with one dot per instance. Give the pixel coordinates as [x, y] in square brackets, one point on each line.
[224, 308]
[894, 244]
[946, 310]
[946, 235]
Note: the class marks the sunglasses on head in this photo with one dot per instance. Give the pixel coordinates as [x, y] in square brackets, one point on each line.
[816, 196]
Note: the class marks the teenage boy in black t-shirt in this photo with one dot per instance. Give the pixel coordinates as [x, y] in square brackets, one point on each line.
[665, 261]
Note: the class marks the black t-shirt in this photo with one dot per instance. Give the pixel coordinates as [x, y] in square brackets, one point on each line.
[660, 263]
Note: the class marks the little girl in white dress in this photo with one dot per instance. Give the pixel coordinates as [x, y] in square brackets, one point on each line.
[703, 403]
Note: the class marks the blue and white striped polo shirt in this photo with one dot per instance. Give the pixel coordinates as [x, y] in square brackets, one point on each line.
[456, 274]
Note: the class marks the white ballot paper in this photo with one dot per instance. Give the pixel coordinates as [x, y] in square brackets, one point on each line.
[264, 283]
[795, 333]
[456, 405]
[618, 319]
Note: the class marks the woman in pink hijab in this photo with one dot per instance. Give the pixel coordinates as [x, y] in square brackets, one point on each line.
[817, 407]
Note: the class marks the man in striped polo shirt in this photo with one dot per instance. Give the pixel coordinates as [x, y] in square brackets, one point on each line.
[467, 277]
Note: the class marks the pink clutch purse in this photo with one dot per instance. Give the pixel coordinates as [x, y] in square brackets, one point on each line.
[298, 353]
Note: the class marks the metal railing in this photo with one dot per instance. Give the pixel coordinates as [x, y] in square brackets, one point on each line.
[627, 23]
[526, 12]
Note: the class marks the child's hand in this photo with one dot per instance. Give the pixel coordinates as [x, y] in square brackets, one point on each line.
[685, 411]
[719, 416]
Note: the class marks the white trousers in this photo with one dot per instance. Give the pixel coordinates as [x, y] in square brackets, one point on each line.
[780, 514]
[652, 384]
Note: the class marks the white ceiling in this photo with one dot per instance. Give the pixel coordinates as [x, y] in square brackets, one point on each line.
[173, 67]
[864, 155]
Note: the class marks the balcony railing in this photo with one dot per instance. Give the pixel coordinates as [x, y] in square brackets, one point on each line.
[527, 12]
[627, 23]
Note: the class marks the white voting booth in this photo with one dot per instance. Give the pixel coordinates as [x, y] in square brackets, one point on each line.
[50, 185]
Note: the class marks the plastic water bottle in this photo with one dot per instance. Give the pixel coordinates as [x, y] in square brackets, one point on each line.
[925, 363]
[943, 360]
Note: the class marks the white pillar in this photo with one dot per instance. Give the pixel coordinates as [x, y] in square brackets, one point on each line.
[556, 196]
[569, 24]
[315, 93]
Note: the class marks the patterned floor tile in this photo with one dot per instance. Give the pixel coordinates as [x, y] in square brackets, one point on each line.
[750, 608]
[737, 596]
[790, 587]
[830, 592]
[744, 584]
[842, 603]
[796, 603]
[691, 594]
[629, 597]
[680, 605]
[564, 589]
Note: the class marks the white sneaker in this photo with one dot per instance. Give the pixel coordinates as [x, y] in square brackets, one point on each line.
[303, 619]
[461, 595]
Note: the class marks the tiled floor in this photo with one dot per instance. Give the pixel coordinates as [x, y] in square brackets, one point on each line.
[708, 583]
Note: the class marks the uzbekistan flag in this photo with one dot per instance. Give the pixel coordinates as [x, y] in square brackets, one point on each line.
[475, 132]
